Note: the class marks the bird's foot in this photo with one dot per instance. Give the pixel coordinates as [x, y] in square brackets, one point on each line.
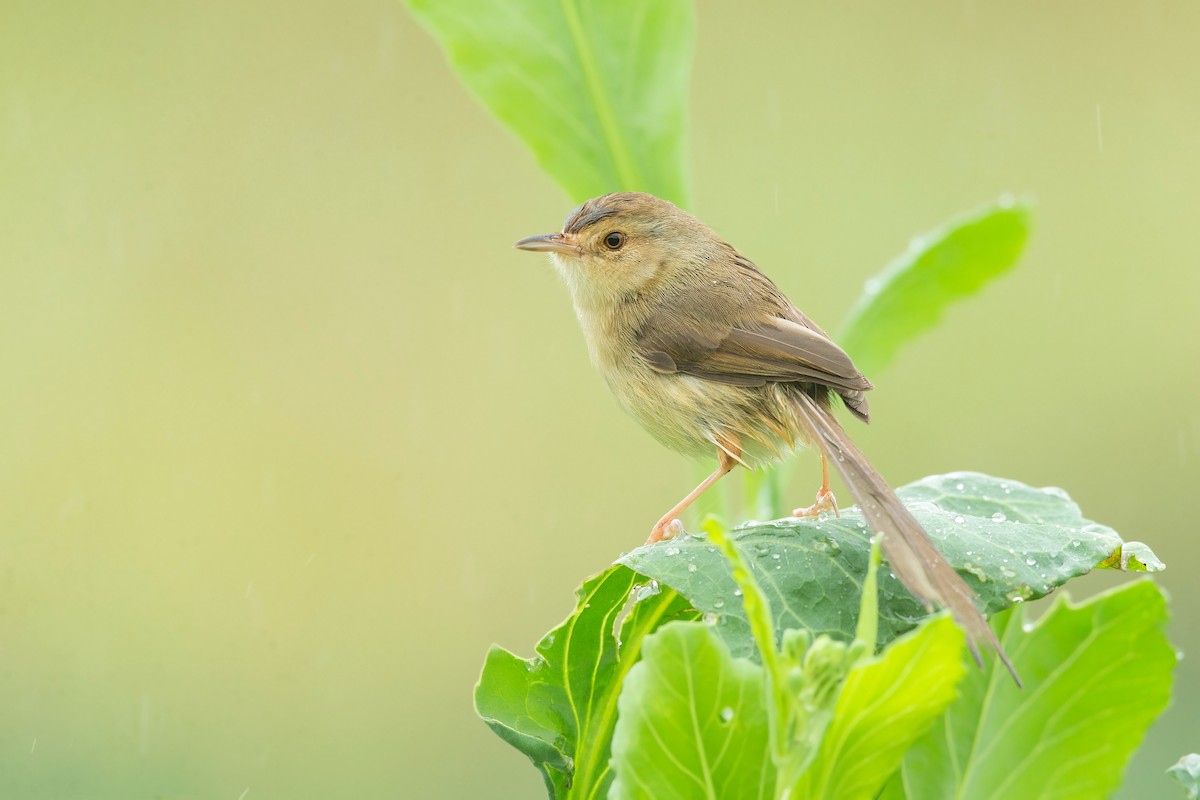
[665, 529]
[825, 502]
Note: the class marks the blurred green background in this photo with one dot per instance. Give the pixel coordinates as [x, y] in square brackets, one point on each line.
[289, 434]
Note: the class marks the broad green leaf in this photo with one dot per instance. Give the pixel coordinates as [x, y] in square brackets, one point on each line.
[1187, 772]
[1010, 542]
[885, 704]
[560, 707]
[1096, 675]
[598, 90]
[940, 267]
[692, 723]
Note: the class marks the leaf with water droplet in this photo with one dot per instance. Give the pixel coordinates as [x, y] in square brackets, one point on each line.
[811, 584]
[678, 725]
[1096, 674]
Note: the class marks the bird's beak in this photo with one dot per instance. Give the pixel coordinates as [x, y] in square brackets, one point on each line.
[550, 243]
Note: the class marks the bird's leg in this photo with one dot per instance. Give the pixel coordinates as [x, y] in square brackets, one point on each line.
[725, 462]
[825, 499]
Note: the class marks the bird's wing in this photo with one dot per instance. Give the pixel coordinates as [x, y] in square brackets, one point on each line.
[745, 332]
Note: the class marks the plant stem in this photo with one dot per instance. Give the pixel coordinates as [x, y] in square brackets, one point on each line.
[780, 706]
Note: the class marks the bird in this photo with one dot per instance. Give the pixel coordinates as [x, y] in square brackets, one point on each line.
[707, 353]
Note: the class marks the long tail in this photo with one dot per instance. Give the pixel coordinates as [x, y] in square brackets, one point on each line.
[913, 557]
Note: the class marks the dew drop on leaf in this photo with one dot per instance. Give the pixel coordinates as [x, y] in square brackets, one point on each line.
[650, 589]
[999, 517]
[726, 714]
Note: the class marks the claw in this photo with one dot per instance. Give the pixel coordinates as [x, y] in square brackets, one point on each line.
[825, 502]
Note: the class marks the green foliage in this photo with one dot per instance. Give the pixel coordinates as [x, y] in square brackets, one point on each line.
[693, 721]
[1187, 772]
[947, 264]
[1097, 674]
[743, 665]
[598, 91]
[884, 706]
[1011, 542]
[559, 708]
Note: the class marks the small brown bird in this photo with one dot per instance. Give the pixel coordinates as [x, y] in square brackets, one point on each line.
[710, 357]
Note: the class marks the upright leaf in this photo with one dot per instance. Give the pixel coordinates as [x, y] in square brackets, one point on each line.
[560, 707]
[1096, 675]
[939, 268]
[693, 722]
[597, 89]
[884, 706]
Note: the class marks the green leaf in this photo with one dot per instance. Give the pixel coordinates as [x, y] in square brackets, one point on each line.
[884, 706]
[1010, 542]
[693, 722]
[1187, 772]
[598, 90]
[560, 707]
[1096, 675]
[940, 267]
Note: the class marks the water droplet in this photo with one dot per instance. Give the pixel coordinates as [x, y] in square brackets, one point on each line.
[999, 517]
[672, 551]
[718, 603]
[960, 486]
[692, 567]
[710, 619]
[726, 714]
[775, 556]
[737, 592]
[1031, 561]
[960, 519]
[640, 593]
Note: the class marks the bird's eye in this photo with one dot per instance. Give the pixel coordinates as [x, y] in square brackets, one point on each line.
[614, 240]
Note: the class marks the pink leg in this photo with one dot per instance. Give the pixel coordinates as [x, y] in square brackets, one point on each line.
[825, 499]
[724, 464]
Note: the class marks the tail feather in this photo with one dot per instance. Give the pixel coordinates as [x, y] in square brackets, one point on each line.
[912, 555]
